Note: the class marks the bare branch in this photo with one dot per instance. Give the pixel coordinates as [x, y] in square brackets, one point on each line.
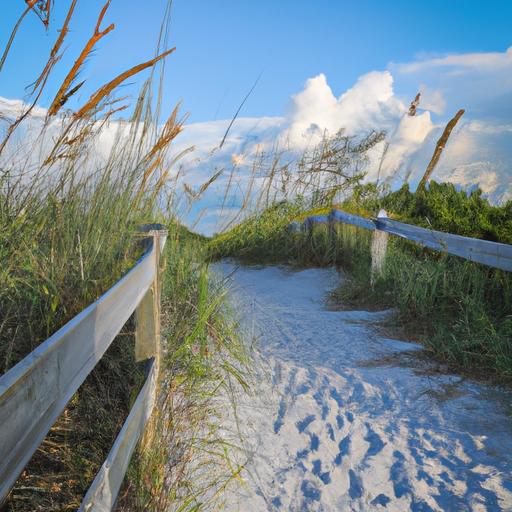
[441, 143]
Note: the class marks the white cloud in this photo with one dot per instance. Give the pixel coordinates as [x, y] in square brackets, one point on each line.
[369, 104]
[407, 138]
[432, 99]
[479, 151]
[12, 109]
[490, 61]
[481, 83]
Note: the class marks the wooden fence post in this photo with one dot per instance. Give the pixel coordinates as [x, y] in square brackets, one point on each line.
[147, 314]
[378, 249]
[331, 223]
[294, 227]
[307, 230]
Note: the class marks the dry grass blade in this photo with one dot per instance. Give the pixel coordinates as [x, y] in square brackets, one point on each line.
[91, 106]
[189, 191]
[238, 111]
[43, 77]
[64, 93]
[42, 8]
[207, 184]
[111, 112]
[196, 195]
[171, 128]
[54, 57]
[441, 143]
[30, 4]
[155, 156]
[414, 105]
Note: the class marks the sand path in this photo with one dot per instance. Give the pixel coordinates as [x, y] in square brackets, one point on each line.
[346, 419]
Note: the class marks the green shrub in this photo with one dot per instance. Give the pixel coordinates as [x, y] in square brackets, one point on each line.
[441, 207]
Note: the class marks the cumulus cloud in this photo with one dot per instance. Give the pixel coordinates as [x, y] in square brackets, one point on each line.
[432, 99]
[408, 137]
[370, 103]
[479, 152]
[12, 109]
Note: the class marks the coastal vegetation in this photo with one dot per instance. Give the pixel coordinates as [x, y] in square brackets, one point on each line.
[70, 217]
[460, 310]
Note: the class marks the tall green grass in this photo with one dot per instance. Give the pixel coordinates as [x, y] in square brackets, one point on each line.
[190, 460]
[69, 216]
[441, 207]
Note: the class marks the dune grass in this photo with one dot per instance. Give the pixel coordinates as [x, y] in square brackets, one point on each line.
[189, 461]
[68, 219]
[69, 216]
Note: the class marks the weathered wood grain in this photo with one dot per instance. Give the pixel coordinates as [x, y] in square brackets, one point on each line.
[35, 392]
[492, 254]
[488, 253]
[103, 492]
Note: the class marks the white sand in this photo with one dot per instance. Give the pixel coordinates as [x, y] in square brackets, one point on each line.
[344, 419]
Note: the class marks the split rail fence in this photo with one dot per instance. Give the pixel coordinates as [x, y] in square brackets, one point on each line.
[35, 392]
[488, 253]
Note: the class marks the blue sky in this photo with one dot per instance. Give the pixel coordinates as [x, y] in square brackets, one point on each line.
[224, 45]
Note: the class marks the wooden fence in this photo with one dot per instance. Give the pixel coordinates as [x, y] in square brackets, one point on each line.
[492, 254]
[34, 393]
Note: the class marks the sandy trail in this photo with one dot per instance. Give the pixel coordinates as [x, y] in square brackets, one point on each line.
[345, 419]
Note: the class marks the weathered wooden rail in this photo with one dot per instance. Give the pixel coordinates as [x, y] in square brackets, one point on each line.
[34, 393]
[492, 254]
